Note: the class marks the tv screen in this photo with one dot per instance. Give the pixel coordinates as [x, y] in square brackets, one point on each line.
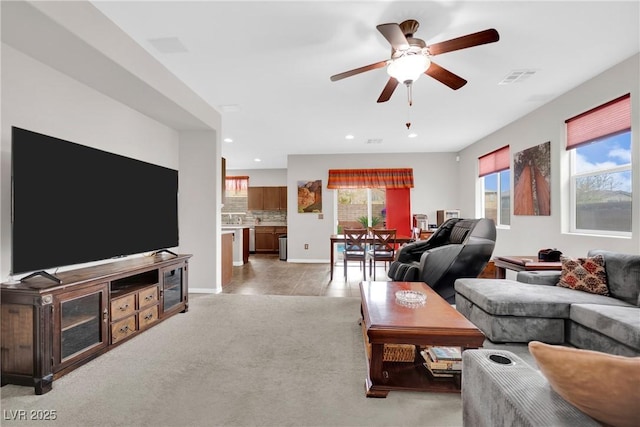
[73, 204]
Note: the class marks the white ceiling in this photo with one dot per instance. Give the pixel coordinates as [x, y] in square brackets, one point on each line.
[272, 60]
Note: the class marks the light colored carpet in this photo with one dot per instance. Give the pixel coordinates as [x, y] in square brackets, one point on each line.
[236, 360]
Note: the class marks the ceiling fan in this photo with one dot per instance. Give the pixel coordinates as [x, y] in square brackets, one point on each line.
[410, 57]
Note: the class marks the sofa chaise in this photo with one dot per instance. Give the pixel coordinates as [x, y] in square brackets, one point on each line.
[525, 310]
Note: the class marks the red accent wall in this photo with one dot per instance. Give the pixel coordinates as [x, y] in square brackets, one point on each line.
[399, 210]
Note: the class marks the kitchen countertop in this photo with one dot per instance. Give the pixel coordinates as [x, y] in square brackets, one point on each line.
[233, 226]
[272, 224]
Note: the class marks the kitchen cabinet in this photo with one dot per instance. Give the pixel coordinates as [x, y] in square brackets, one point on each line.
[255, 198]
[267, 198]
[267, 238]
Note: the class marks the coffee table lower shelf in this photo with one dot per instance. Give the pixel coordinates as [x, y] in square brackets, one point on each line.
[408, 376]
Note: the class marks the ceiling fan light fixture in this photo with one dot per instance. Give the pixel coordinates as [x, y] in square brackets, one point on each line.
[408, 68]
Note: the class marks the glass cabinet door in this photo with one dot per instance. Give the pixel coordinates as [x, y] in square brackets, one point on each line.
[173, 294]
[82, 319]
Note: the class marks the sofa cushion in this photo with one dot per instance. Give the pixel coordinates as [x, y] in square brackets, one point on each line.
[601, 385]
[584, 274]
[619, 323]
[542, 277]
[623, 275]
[504, 297]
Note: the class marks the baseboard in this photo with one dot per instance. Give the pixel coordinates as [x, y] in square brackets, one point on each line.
[308, 261]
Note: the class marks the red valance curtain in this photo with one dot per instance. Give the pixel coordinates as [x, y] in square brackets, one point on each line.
[370, 178]
[606, 120]
[236, 184]
[494, 161]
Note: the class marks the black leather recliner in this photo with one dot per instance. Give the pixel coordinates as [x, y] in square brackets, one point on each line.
[459, 248]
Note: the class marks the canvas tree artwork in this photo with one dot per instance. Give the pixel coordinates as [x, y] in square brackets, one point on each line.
[532, 178]
[310, 196]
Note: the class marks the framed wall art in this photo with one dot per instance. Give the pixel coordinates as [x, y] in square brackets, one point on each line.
[532, 179]
[310, 196]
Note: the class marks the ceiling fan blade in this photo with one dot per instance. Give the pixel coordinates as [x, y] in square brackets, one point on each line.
[470, 40]
[445, 76]
[394, 36]
[388, 90]
[358, 71]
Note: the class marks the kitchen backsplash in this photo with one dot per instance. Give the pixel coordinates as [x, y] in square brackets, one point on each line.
[235, 205]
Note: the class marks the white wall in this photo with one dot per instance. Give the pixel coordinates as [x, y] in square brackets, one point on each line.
[38, 98]
[108, 92]
[436, 187]
[528, 234]
[200, 198]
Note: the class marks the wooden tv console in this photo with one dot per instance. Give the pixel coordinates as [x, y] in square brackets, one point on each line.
[48, 329]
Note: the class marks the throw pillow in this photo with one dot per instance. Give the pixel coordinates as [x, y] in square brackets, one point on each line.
[584, 274]
[601, 385]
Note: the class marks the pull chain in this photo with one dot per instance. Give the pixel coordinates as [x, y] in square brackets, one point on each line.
[410, 98]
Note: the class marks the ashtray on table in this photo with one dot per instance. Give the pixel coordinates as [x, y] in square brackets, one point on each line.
[410, 298]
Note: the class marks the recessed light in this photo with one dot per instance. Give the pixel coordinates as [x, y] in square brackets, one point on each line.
[257, 160]
[228, 140]
[349, 137]
[413, 135]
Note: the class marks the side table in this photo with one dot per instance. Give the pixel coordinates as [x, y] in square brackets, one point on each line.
[522, 263]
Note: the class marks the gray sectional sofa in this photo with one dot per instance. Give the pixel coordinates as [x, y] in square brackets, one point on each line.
[526, 310]
[498, 387]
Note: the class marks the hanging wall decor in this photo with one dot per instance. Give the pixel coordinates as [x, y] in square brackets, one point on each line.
[532, 179]
[310, 196]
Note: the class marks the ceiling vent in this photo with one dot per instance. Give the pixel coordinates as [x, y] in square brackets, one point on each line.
[168, 45]
[374, 141]
[517, 76]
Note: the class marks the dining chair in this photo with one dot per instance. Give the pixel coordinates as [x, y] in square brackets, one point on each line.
[383, 248]
[355, 248]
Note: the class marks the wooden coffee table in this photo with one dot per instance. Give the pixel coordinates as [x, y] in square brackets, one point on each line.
[387, 322]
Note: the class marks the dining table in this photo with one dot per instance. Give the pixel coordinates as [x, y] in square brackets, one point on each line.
[339, 238]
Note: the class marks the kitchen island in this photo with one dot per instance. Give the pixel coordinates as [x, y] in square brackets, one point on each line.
[240, 243]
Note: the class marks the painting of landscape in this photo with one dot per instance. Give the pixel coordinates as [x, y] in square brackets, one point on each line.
[532, 194]
[310, 196]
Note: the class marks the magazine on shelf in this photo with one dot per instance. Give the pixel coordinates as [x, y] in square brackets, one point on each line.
[443, 366]
[439, 374]
[439, 354]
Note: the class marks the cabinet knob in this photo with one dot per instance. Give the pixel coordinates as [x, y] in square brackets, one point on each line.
[124, 307]
[105, 315]
[148, 316]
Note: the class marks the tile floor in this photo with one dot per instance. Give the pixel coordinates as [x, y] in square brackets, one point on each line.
[266, 275]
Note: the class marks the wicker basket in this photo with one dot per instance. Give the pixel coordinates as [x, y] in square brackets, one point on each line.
[399, 353]
[392, 352]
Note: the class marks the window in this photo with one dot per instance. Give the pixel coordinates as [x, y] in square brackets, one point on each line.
[360, 207]
[599, 142]
[236, 186]
[362, 195]
[496, 185]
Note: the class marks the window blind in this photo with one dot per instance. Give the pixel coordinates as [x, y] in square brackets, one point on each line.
[494, 161]
[236, 184]
[605, 120]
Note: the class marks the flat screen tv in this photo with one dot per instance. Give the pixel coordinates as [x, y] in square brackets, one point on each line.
[73, 204]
